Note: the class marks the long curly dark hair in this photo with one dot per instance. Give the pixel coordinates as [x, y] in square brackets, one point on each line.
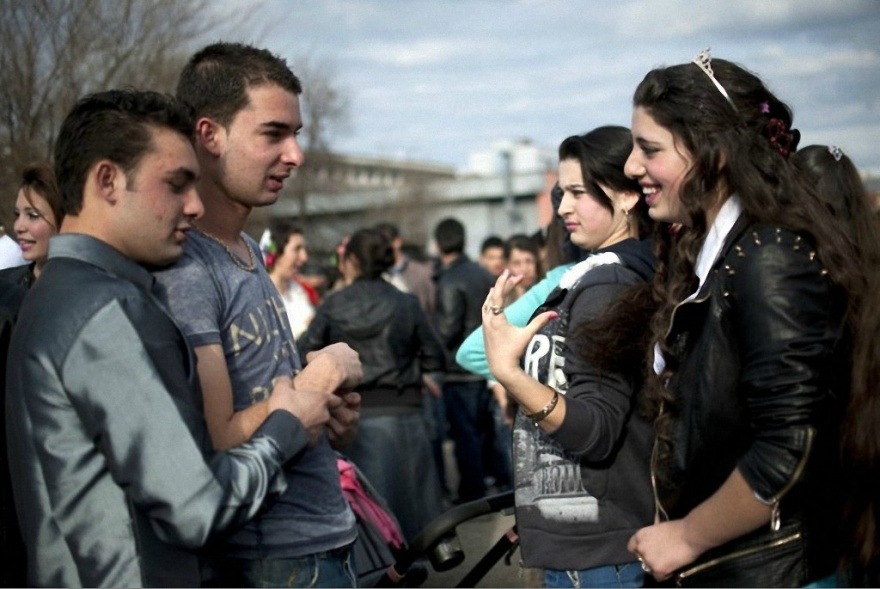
[741, 146]
[838, 183]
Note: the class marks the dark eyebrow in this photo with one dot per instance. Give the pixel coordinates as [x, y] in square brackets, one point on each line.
[184, 173]
[279, 126]
[643, 142]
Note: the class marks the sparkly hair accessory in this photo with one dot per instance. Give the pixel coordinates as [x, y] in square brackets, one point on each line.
[781, 137]
[836, 152]
[704, 61]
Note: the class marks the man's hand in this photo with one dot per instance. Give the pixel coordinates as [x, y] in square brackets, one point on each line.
[312, 408]
[343, 425]
[336, 362]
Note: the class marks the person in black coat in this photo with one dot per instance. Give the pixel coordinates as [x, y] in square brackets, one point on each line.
[37, 215]
[397, 345]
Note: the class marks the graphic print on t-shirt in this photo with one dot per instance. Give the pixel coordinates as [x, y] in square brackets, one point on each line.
[549, 478]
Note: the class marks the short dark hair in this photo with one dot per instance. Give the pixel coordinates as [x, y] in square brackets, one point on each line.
[523, 242]
[493, 241]
[216, 80]
[449, 235]
[372, 250]
[280, 232]
[389, 230]
[115, 125]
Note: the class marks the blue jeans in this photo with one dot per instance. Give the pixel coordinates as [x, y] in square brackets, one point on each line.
[435, 421]
[500, 459]
[334, 568]
[471, 428]
[614, 575]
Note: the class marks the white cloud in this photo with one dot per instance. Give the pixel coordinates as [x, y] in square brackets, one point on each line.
[443, 78]
[819, 63]
[410, 53]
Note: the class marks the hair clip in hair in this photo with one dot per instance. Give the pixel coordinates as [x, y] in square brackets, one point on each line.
[704, 61]
[268, 249]
[781, 138]
[836, 152]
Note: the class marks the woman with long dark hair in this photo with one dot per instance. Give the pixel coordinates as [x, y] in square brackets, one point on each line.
[839, 185]
[759, 296]
[580, 452]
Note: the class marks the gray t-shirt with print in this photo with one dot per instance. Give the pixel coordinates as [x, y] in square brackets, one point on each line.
[217, 302]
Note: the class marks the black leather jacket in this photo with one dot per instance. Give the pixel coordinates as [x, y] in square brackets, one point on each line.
[462, 287]
[761, 360]
[390, 332]
[14, 284]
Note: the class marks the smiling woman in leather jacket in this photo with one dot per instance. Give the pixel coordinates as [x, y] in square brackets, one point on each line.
[397, 345]
[752, 339]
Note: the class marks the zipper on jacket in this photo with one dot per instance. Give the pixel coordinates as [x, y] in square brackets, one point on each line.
[658, 507]
[680, 577]
[705, 297]
[775, 501]
[775, 519]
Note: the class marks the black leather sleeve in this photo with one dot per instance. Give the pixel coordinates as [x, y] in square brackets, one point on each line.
[787, 325]
[450, 316]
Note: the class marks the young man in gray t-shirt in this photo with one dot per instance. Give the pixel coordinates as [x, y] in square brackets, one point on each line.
[246, 103]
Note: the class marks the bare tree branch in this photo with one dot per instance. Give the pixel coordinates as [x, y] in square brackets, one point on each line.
[326, 109]
[52, 52]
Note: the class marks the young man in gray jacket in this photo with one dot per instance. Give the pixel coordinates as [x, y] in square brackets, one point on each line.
[115, 480]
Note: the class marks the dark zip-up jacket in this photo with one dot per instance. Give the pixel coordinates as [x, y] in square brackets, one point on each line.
[390, 332]
[462, 287]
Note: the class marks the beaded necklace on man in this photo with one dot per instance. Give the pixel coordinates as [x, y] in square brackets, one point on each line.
[247, 267]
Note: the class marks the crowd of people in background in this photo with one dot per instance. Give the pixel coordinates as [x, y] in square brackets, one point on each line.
[676, 377]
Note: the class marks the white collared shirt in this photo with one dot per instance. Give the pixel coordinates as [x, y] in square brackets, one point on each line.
[709, 252]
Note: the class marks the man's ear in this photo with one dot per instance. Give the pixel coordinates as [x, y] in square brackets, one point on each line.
[210, 135]
[109, 180]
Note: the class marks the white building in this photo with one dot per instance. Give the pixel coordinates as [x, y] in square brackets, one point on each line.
[499, 193]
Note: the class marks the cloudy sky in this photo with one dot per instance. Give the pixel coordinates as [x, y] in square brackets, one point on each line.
[436, 80]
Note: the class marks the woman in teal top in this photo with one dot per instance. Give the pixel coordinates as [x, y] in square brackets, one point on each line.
[471, 355]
